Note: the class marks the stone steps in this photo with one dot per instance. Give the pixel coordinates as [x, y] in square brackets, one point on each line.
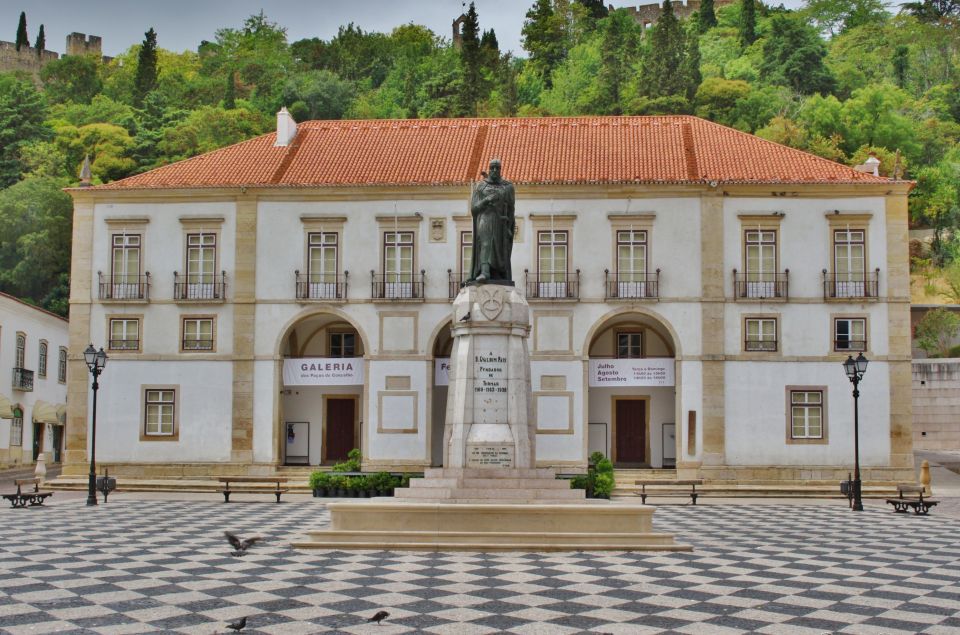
[501, 495]
[491, 483]
[489, 541]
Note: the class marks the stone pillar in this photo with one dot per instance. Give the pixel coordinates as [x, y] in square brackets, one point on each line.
[244, 311]
[488, 421]
[898, 318]
[712, 331]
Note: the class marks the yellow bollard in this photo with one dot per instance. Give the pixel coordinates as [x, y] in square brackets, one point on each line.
[925, 477]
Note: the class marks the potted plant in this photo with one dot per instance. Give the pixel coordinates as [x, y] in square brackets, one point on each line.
[319, 483]
[338, 486]
[361, 485]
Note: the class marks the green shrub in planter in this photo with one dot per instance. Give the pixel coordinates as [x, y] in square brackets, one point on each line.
[603, 485]
[380, 482]
[338, 486]
[352, 464]
[320, 482]
[604, 466]
[596, 457]
[580, 482]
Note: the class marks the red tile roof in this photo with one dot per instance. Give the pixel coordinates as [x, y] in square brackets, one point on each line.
[558, 150]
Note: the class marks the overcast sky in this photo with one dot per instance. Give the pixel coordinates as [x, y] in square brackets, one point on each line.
[182, 24]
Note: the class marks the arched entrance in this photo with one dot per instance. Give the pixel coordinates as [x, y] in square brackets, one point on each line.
[321, 388]
[632, 392]
[442, 347]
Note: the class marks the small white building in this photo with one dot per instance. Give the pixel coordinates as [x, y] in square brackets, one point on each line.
[693, 292]
[33, 346]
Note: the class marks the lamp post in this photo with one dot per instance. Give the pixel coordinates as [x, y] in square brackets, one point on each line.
[95, 360]
[855, 369]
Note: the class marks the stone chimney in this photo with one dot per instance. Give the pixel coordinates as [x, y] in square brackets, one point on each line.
[286, 128]
[874, 163]
[85, 173]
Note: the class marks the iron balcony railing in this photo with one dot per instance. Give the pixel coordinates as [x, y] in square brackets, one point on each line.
[849, 345]
[754, 345]
[23, 379]
[562, 285]
[397, 286]
[632, 285]
[197, 345]
[123, 287]
[851, 285]
[761, 286]
[321, 286]
[123, 345]
[200, 286]
[455, 282]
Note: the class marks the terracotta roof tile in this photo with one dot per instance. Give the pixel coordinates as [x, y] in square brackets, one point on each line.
[566, 150]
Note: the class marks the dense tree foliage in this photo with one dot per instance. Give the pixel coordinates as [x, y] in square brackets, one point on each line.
[837, 78]
[22, 38]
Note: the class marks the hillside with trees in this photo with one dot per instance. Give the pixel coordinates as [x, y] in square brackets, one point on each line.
[837, 78]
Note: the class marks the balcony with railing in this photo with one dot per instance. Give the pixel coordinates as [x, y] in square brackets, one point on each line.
[124, 288]
[851, 286]
[848, 345]
[756, 345]
[23, 379]
[631, 285]
[767, 287]
[455, 281]
[397, 287]
[200, 288]
[192, 344]
[557, 286]
[123, 345]
[321, 287]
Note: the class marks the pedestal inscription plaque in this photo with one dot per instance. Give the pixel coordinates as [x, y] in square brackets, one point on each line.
[489, 456]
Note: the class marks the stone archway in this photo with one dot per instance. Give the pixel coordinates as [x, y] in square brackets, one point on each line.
[633, 389]
[440, 349]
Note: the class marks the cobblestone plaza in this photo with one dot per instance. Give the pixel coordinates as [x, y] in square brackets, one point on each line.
[148, 565]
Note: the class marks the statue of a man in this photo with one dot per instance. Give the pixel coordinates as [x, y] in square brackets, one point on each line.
[493, 228]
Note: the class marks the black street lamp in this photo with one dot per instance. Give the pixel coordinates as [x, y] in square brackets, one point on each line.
[855, 369]
[95, 360]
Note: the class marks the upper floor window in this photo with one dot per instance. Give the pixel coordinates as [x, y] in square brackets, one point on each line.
[552, 264]
[398, 262]
[630, 345]
[849, 262]
[201, 265]
[761, 334]
[62, 366]
[124, 334]
[342, 345]
[125, 267]
[21, 350]
[466, 254]
[42, 360]
[760, 263]
[850, 334]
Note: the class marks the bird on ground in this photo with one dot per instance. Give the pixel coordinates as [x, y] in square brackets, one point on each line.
[466, 317]
[378, 616]
[240, 545]
[238, 625]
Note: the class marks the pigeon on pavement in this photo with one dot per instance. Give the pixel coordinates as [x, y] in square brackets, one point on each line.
[240, 545]
[238, 625]
[379, 615]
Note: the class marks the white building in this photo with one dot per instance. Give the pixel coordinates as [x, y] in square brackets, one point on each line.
[693, 292]
[33, 346]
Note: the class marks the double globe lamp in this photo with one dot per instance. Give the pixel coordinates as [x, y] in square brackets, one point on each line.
[96, 361]
[855, 369]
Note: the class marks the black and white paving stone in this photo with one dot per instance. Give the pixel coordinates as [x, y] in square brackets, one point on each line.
[152, 566]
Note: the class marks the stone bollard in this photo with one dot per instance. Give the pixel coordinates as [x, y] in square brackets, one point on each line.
[41, 470]
[925, 477]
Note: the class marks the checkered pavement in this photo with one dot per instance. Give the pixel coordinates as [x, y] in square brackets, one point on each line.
[152, 566]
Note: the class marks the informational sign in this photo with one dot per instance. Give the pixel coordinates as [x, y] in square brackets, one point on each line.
[323, 371]
[490, 456]
[605, 373]
[441, 371]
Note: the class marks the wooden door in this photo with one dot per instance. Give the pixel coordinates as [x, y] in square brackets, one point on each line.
[631, 431]
[339, 436]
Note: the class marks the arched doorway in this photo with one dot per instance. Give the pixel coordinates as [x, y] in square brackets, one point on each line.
[442, 347]
[632, 392]
[322, 379]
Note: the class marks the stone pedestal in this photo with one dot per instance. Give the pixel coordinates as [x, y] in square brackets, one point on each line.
[489, 495]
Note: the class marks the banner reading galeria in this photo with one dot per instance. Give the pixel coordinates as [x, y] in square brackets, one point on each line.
[323, 371]
[606, 373]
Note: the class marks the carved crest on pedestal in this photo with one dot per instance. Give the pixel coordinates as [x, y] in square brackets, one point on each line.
[491, 300]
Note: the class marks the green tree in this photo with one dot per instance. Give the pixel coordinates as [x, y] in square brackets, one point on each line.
[935, 202]
[208, 128]
[595, 8]
[951, 277]
[73, 78]
[837, 16]
[35, 223]
[576, 87]
[22, 114]
[933, 10]
[490, 51]
[551, 29]
[793, 55]
[707, 17]
[22, 38]
[107, 145]
[901, 65]
[748, 23]
[936, 332]
[230, 92]
[717, 98]
[317, 95]
[619, 46]
[664, 71]
[146, 77]
[471, 89]
[41, 42]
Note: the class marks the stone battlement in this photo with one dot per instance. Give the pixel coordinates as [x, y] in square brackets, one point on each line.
[26, 59]
[647, 14]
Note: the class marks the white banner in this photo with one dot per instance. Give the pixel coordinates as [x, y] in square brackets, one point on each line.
[323, 371]
[441, 371]
[605, 373]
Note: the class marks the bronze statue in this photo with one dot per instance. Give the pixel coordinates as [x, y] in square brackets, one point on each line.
[493, 229]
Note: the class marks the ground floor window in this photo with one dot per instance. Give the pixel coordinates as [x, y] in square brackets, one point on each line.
[160, 411]
[16, 428]
[807, 417]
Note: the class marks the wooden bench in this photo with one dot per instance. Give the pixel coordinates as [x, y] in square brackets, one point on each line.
[671, 489]
[30, 497]
[247, 488]
[913, 500]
